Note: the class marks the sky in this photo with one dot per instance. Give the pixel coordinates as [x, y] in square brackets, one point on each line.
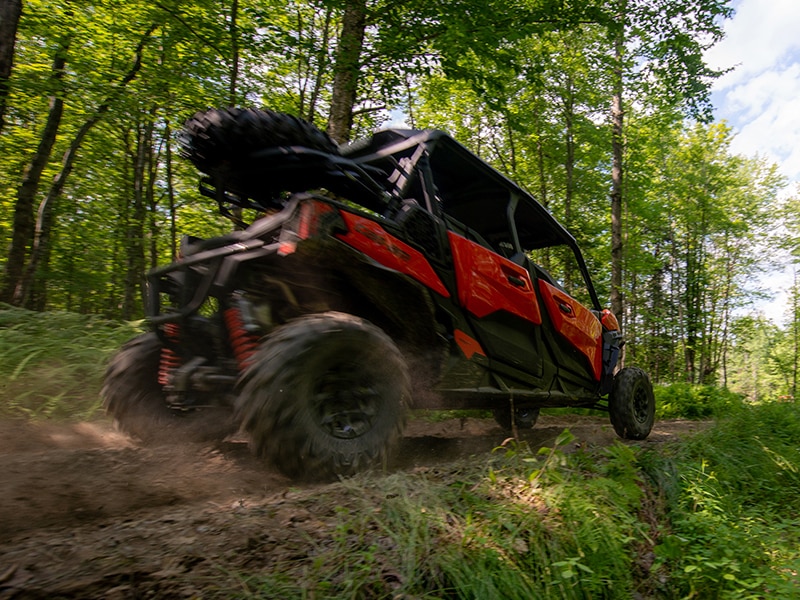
[760, 99]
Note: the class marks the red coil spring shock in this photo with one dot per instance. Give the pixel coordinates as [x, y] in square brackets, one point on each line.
[243, 342]
[169, 358]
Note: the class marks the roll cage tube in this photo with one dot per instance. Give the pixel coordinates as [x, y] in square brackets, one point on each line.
[449, 180]
[427, 185]
[572, 244]
[511, 208]
[192, 298]
[448, 177]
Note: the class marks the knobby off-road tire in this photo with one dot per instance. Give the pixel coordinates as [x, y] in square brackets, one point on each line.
[631, 404]
[227, 137]
[134, 398]
[524, 418]
[326, 395]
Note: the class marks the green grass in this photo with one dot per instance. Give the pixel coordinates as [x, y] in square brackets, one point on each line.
[735, 513]
[513, 526]
[52, 364]
[715, 516]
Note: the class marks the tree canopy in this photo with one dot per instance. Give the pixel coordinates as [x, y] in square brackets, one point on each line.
[600, 109]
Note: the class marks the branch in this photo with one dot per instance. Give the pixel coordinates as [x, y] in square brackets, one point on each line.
[205, 41]
[368, 109]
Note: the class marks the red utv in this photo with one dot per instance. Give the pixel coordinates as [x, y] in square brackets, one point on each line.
[394, 273]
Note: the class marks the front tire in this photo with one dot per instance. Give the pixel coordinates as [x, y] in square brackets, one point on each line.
[325, 396]
[631, 404]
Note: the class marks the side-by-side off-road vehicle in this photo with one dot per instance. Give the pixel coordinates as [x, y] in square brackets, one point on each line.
[393, 273]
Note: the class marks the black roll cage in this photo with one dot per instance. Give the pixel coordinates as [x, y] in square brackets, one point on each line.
[395, 165]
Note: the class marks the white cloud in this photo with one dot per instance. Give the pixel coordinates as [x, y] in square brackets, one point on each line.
[761, 35]
[760, 99]
[751, 96]
[765, 112]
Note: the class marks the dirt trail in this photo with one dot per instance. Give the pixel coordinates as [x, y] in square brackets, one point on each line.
[86, 513]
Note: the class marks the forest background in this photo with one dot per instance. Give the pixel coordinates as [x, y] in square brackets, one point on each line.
[600, 109]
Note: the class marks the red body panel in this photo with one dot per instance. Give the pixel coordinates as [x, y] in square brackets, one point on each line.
[608, 320]
[469, 346]
[576, 323]
[310, 216]
[487, 282]
[373, 240]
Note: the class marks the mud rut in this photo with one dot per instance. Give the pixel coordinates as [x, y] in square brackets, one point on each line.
[87, 513]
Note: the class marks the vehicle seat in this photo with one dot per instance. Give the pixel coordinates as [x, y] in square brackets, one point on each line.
[520, 258]
[536, 271]
[541, 273]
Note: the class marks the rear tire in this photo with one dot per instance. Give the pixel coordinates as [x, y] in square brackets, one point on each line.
[524, 418]
[325, 396]
[134, 398]
[631, 404]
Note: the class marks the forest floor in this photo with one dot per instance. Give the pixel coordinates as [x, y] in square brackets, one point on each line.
[85, 512]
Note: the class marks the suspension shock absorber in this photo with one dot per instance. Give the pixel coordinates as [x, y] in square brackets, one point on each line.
[169, 358]
[242, 332]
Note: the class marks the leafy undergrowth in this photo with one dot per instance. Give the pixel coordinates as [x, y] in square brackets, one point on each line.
[52, 363]
[688, 401]
[734, 506]
[717, 516]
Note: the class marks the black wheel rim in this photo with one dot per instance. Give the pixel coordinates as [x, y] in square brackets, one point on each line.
[346, 402]
[641, 405]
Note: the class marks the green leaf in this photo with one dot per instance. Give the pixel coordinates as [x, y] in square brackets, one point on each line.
[564, 438]
[24, 362]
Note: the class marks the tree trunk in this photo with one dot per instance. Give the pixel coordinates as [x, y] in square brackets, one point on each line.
[347, 69]
[322, 67]
[44, 219]
[10, 11]
[134, 230]
[617, 122]
[541, 171]
[692, 294]
[23, 229]
[151, 165]
[173, 234]
[234, 33]
[569, 173]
